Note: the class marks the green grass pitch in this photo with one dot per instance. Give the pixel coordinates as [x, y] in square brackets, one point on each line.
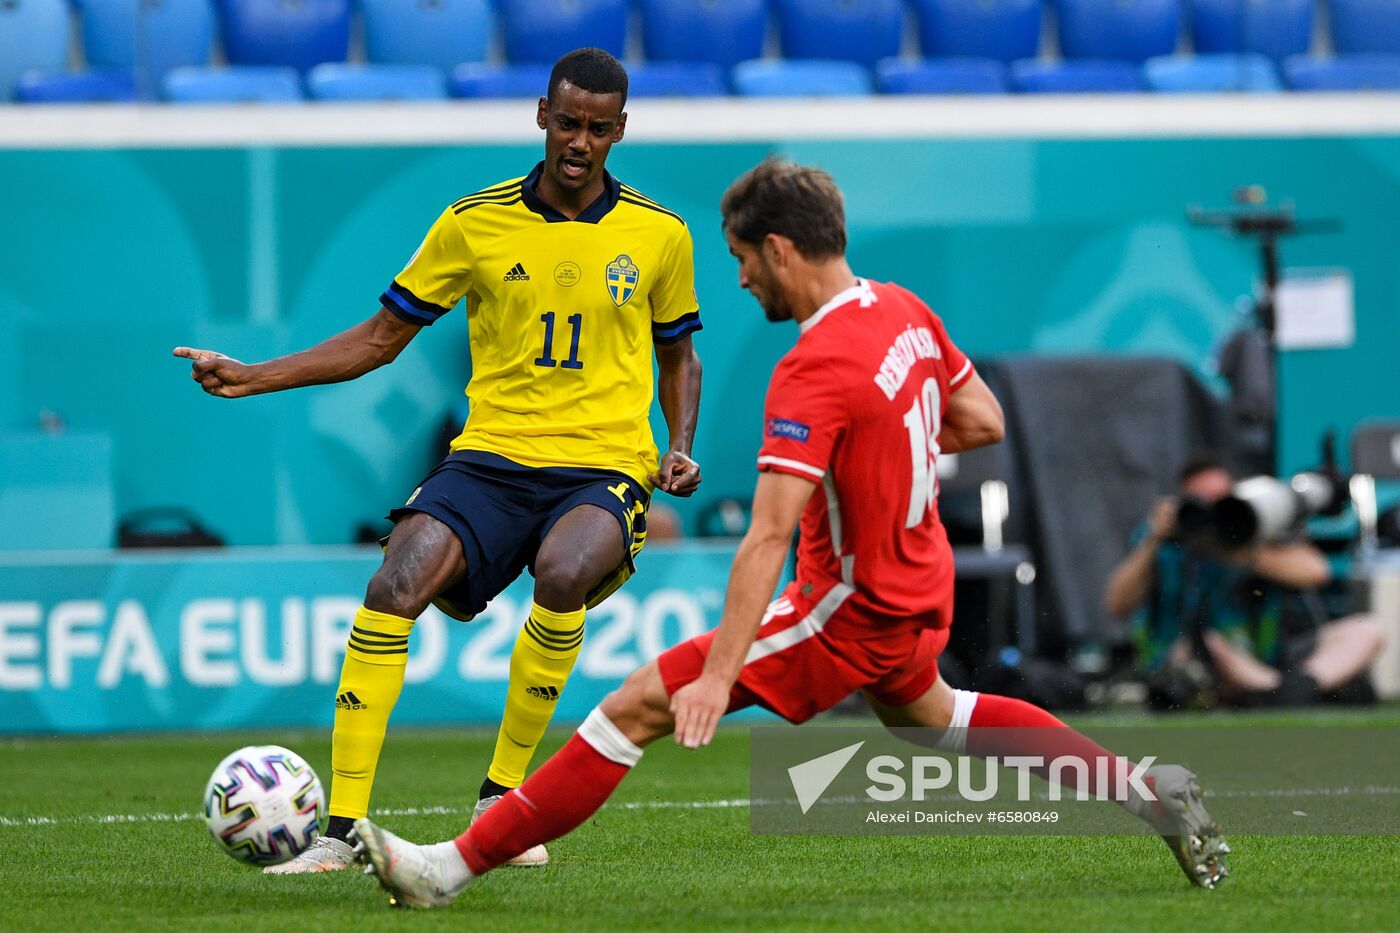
[118, 847]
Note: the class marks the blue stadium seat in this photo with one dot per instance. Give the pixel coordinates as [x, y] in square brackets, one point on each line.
[1365, 26]
[676, 79]
[292, 33]
[941, 76]
[861, 31]
[1002, 29]
[335, 81]
[769, 78]
[75, 87]
[1276, 28]
[33, 34]
[244, 84]
[1087, 76]
[442, 33]
[163, 34]
[1134, 30]
[484, 81]
[1346, 73]
[1199, 74]
[539, 31]
[724, 32]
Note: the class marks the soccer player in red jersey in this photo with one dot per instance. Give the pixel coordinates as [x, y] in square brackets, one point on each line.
[856, 415]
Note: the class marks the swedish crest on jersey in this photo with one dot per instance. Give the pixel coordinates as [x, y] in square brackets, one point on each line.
[622, 276]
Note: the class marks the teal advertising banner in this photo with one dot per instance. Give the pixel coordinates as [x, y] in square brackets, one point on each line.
[94, 643]
[1045, 246]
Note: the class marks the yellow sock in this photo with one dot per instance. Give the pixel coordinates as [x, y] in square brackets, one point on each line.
[370, 681]
[539, 667]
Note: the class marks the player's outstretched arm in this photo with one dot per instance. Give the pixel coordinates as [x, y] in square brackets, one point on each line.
[348, 355]
[679, 388]
[973, 418]
[778, 501]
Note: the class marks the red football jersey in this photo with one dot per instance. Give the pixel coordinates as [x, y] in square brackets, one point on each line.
[857, 405]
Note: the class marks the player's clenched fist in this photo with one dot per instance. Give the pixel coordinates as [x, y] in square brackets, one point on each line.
[677, 474]
[219, 375]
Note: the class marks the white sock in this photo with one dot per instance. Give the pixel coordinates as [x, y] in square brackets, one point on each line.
[455, 873]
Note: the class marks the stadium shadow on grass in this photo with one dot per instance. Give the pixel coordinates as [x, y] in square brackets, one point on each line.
[120, 844]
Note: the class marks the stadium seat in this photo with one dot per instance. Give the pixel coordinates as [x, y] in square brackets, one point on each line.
[1002, 29]
[676, 79]
[33, 34]
[860, 31]
[1365, 26]
[1134, 30]
[941, 76]
[724, 32]
[1276, 28]
[335, 81]
[1347, 73]
[1089, 76]
[484, 81]
[291, 33]
[162, 34]
[539, 31]
[75, 87]
[768, 78]
[1199, 74]
[442, 33]
[245, 84]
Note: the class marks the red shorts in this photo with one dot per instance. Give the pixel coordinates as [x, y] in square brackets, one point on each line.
[796, 669]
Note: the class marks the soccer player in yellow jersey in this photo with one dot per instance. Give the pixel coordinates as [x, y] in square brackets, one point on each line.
[572, 280]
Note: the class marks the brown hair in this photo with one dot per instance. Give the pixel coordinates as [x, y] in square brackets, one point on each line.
[793, 201]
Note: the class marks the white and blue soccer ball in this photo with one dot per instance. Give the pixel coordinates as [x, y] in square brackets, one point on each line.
[264, 804]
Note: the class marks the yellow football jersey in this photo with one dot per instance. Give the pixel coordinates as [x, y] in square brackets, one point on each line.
[563, 316]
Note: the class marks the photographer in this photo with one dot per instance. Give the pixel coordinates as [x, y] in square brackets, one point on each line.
[1247, 622]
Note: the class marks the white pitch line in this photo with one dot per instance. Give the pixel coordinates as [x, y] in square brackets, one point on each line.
[118, 818]
[108, 819]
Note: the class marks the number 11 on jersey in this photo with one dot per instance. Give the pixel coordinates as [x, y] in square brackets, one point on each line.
[546, 358]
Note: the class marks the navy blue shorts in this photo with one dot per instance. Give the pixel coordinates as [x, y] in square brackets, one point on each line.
[502, 511]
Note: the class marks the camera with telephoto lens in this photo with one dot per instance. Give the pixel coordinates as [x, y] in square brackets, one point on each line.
[1261, 509]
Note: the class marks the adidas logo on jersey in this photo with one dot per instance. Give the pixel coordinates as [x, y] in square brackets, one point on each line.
[348, 700]
[517, 273]
[543, 693]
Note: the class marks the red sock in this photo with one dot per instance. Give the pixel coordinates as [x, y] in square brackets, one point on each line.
[565, 791]
[1002, 726]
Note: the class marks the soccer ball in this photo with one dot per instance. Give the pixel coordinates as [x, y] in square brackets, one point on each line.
[264, 804]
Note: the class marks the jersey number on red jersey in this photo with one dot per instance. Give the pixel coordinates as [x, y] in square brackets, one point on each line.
[923, 419]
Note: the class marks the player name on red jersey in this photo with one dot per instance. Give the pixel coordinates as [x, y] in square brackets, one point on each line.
[916, 343]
